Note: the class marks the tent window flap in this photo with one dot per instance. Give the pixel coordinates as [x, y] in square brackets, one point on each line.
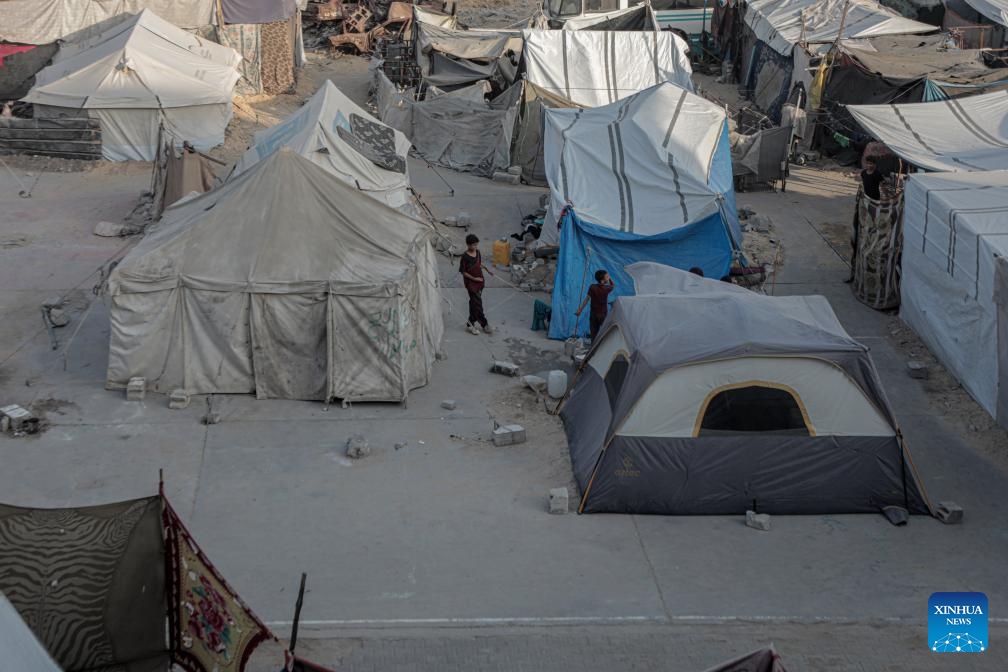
[752, 408]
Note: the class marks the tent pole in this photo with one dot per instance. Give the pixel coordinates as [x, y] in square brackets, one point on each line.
[297, 614]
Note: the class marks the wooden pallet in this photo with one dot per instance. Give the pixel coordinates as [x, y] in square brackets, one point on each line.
[76, 138]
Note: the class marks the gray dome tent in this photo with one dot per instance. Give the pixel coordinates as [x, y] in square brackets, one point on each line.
[700, 397]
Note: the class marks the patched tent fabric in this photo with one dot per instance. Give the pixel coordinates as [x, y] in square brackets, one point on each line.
[783, 23]
[704, 398]
[89, 582]
[19, 647]
[337, 134]
[594, 68]
[458, 132]
[960, 134]
[178, 174]
[137, 76]
[449, 57]
[955, 231]
[284, 282]
[45, 21]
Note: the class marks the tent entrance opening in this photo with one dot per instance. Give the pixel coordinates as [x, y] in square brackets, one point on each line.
[753, 408]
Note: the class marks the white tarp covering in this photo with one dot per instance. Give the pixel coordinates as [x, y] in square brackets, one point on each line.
[959, 134]
[284, 282]
[593, 68]
[587, 21]
[136, 75]
[783, 23]
[995, 10]
[44, 21]
[656, 149]
[19, 647]
[955, 227]
[334, 132]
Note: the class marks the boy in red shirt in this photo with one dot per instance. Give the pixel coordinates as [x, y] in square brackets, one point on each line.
[598, 295]
[471, 267]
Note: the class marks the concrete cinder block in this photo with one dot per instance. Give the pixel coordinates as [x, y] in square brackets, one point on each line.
[178, 399]
[4, 424]
[558, 500]
[19, 420]
[758, 521]
[506, 435]
[917, 369]
[504, 368]
[507, 178]
[949, 513]
[517, 433]
[537, 383]
[514, 170]
[449, 404]
[136, 389]
[357, 447]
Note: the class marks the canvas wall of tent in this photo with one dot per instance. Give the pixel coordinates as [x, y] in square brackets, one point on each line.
[700, 397]
[137, 76]
[284, 282]
[660, 189]
[337, 134]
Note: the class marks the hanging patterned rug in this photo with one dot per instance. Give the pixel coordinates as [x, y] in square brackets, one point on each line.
[879, 247]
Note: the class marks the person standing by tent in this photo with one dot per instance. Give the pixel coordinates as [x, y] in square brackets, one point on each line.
[471, 267]
[871, 183]
[598, 295]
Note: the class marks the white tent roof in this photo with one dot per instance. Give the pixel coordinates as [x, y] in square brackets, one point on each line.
[995, 10]
[144, 62]
[658, 146]
[44, 21]
[955, 228]
[593, 68]
[959, 134]
[779, 23]
[337, 134]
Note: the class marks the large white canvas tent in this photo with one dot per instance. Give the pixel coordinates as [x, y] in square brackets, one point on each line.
[593, 68]
[959, 134]
[137, 76]
[45, 21]
[649, 178]
[334, 132]
[285, 282]
[700, 397]
[954, 290]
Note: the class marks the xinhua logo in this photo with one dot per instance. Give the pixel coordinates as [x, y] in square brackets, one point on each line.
[957, 622]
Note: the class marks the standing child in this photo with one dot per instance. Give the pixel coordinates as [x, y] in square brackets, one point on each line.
[598, 295]
[471, 267]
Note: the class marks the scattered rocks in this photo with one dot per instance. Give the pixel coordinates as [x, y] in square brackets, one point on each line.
[136, 389]
[558, 500]
[112, 230]
[917, 369]
[506, 435]
[357, 447]
[949, 513]
[449, 404]
[758, 521]
[537, 383]
[178, 399]
[58, 317]
[504, 368]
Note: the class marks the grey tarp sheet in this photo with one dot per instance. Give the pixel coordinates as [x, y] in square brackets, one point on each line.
[285, 282]
[677, 320]
[17, 71]
[452, 131]
[528, 144]
[450, 57]
[89, 582]
[633, 18]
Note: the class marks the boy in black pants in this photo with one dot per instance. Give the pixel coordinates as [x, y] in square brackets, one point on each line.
[598, 295]
[471, 267]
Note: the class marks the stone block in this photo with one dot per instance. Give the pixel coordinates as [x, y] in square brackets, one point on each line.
[451, 221]
[449, 404]
[59, 317]
[758, 521]
[506, 178]
[136, 389]
[949, 513]
[558, 500]
[178, 399]
[505, 435]
[514, 170]
[537, 383]
[113, 230]
[19, 420]
[504, 368]
[464, 219]
[917, 369]
[517, 433]
[357, 447]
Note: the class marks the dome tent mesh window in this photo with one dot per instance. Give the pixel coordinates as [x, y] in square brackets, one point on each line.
[614, 378]
[753, 408]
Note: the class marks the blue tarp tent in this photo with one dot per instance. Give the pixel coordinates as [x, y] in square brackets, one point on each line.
[648, 178]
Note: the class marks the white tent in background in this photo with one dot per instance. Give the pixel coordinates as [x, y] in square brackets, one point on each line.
[954, 289]
[593, 68]
[784, 23]
[284, 282]
[959, 134]
[136, 76]
[334, 132]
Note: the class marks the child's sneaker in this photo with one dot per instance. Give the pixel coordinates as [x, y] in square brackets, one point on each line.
[488, 329]
[472, 329]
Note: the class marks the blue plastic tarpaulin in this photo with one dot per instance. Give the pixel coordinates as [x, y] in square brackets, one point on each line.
[586, 248]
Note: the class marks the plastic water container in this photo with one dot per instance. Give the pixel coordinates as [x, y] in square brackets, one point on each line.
[556, 384]
[501, 252]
